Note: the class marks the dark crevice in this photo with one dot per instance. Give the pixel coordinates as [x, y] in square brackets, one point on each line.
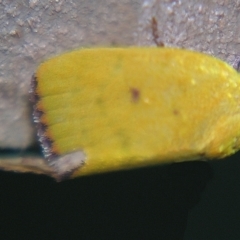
[34, 150]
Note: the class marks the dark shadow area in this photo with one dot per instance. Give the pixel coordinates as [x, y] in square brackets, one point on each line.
[217, 215]
[147, 203]
[34, 150]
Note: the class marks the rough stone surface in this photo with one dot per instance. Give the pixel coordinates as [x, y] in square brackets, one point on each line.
[206, 26]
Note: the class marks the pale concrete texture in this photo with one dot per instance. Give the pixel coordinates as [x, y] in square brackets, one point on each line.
[206, 26]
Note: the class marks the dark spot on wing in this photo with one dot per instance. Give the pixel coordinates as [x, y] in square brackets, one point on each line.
[135, 94]
[175, 112]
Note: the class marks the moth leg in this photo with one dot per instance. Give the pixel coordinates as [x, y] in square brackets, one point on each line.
[154, 26]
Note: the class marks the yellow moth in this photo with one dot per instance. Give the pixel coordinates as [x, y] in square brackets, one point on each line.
[103, 109]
